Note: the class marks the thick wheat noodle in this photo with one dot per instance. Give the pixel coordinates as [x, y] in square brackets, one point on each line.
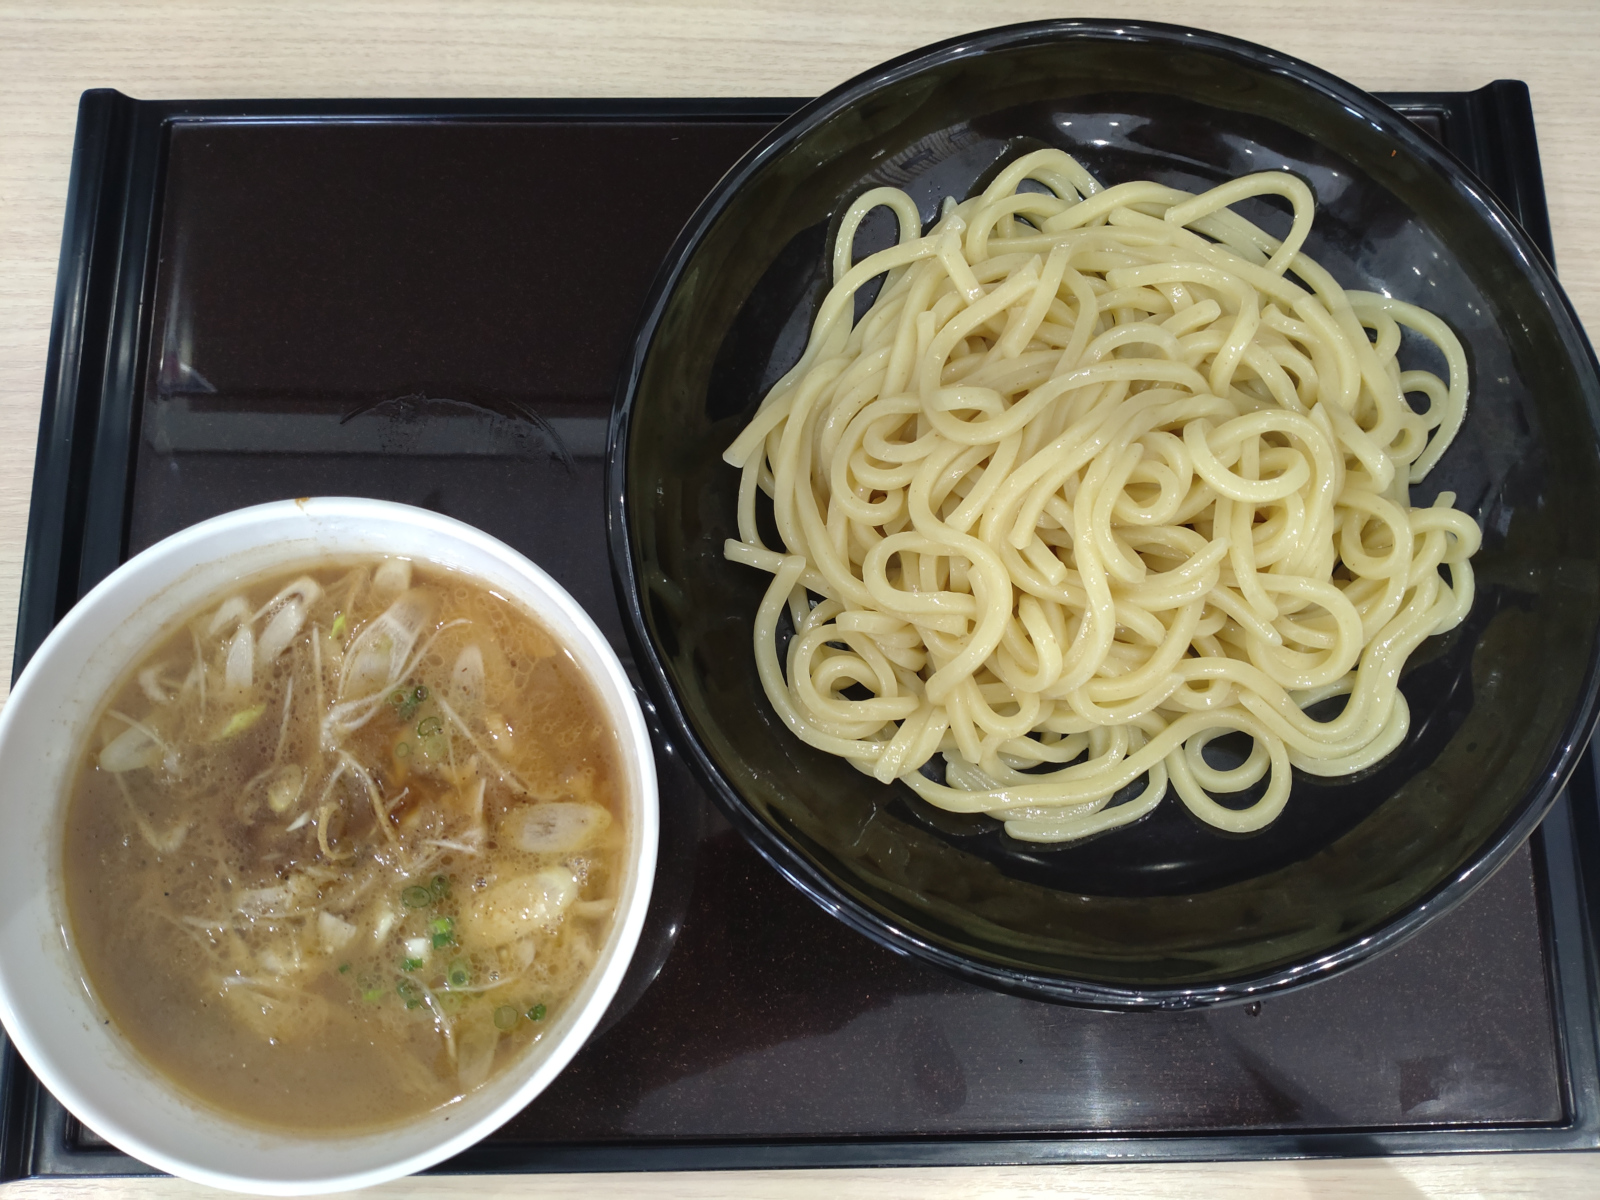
[1091, 484]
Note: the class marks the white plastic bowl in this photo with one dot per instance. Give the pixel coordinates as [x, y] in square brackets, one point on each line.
[47, 1010]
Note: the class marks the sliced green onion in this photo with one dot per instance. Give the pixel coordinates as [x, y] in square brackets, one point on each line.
[406, 701]
[338, 625]
[403, 750]
[411, 964]
[416, 896]
[460, 974]
[443, 930]
[536, 1013]
[409, 993]
[506, 1017]
[440, 887]
[344, 968]
[240, 721]
[372, 995]
[429, 726]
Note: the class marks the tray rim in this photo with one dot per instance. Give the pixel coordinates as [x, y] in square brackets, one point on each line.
[76, 535]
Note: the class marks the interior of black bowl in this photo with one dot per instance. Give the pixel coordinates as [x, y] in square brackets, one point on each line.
[1498, 705]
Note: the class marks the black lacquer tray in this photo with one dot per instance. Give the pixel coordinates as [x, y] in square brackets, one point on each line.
[405, 299]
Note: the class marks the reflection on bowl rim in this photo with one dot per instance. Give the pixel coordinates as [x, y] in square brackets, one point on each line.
[123, 614]
[784, 856]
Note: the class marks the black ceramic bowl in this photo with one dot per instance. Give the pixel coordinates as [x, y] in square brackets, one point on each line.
[1167, 912]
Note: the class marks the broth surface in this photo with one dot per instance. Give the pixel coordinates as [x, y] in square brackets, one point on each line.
[343, 843]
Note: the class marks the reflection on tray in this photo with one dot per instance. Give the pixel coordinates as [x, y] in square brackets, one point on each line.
[405, 425]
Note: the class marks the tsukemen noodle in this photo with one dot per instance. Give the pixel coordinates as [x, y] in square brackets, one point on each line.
[343, 844]
[1103, 475]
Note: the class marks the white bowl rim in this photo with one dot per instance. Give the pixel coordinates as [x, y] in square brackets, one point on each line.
[552, 604]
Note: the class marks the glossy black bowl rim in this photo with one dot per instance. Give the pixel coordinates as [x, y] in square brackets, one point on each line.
[786, 858]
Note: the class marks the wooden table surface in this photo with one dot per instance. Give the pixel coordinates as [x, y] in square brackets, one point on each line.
[50, 52]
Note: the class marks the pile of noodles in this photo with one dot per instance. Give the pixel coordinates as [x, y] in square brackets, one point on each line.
[1091, 484]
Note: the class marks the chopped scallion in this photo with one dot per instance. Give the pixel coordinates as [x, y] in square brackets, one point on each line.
[506, 1017]
[411, 964]
[372, 995]
[416, 896]
[339, 624]
[403, 750]
[429, 726]
[443, 930]
[459, 974]
[536, 1013]
[344, 968]
[240, 721]
[440, 887]
[409, 993]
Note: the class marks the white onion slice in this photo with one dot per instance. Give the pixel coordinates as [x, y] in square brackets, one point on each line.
[560, 827]
[285, 625]
[240, 671]
[129, 750]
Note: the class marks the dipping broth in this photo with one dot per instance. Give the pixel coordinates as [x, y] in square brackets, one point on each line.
[342, 845]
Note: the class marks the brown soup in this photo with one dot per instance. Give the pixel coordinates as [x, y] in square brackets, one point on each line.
[342, 844]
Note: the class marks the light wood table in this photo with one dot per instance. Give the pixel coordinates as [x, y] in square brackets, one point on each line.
[49, 53]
